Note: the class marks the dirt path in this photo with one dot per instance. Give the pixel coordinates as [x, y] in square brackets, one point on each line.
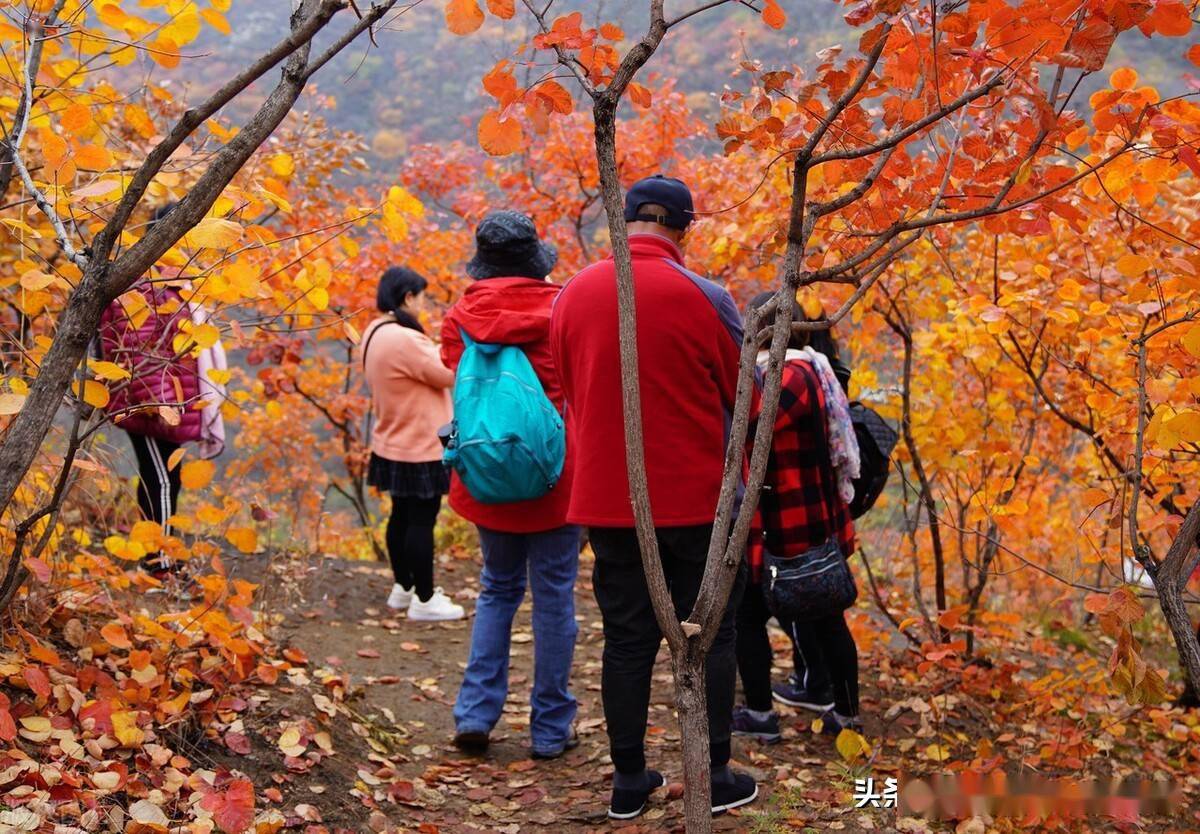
[389, 686]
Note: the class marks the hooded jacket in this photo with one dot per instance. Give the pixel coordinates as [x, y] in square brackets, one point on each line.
[689, 337]
[511, 311]
[139, 336]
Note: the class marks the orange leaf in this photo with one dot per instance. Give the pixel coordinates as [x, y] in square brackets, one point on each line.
[1171, 19]
[773, 14]
[115, 636]
[463, 16]
[504, 9]
[611, 32]
[500, 137]
[640, 95]
[1193, 54]
[1123, 79]
[37, 681]
[557, 96]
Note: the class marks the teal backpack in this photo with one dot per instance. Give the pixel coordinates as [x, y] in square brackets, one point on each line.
[507, 442]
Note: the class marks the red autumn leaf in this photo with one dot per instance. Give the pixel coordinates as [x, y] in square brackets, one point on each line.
[860, 14]
[500, 137]
[369, 653]
[773, 14]
[37, 681]
[233, 807]
[1193, 54]
[238, 743]
[463, 16]
[1088, 49]
[556, 95]
[115, 636]
[1171, 19]
[39, 569]
[8, 728]
[296, 656]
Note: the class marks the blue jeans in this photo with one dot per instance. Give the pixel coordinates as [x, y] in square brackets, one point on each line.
[551, 560]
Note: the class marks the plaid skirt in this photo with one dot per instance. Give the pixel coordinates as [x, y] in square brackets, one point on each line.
[408, 480]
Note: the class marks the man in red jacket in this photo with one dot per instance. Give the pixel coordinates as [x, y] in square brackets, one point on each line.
[689, 337]
[509, 304]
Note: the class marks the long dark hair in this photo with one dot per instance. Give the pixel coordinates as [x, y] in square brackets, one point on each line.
[821, 341]
[395, 286]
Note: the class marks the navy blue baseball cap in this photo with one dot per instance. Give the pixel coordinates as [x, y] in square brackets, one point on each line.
[667, 192]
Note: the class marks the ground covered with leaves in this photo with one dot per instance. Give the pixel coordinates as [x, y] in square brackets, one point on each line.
[370, 697]
[336, 716]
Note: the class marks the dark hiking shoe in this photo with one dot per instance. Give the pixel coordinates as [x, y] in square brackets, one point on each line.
[570, 744]
[790, 692]
[832, 724]
[472, 742]
[628, 803]
[727, 795]
[765, 730]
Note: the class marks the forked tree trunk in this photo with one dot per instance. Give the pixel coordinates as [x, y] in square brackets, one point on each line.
[1170, 580]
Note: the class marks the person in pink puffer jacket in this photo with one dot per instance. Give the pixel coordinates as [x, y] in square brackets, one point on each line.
[170, 397]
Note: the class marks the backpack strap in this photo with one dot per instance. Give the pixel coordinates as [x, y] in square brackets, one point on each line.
[371, 335]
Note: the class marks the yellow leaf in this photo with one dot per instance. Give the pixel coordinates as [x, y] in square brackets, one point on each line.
[289, 742]
[109, 371]
[283, 165]
[175, 458]
[76, 118]
[937, 752]
[216, 20]
[214, 233]
[35, 280]
[196, 474]
[244, 539]
[1185, 426]
[852, 746]
[126, 730]
[20, 226]
[11, 403]
[1191, 340]
[318, 297]
[94, 393]
[1133, 266]
[36, 724]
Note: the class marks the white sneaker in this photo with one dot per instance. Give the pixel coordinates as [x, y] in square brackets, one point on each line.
[400, 597]
[438, 607]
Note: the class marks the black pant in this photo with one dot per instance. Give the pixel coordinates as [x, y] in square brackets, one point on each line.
[410, 542]
[823, 652]
[632, 637]
[158, 486]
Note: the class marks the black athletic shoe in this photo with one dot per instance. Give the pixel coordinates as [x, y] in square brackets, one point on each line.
[729, 795]
[473, 742]
[765, 730]
[570, 744]
[832, 724]
[792, 693]
[628, 803]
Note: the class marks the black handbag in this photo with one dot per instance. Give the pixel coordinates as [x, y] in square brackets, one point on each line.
[876, 439]
[816, 583]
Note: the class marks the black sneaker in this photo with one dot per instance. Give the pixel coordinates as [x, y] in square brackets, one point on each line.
[570, 744]
[472, 742]
[765, 730]
[792, 693]
[628, 803]
[729, 795]
[832, 724]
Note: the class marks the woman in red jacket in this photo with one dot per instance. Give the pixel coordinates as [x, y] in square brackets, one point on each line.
[527, 541]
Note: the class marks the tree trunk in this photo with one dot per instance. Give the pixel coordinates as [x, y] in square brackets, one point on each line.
[690, 703]
[1170, 578]
[78, 323]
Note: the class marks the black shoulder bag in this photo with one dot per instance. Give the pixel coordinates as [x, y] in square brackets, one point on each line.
[816, 583]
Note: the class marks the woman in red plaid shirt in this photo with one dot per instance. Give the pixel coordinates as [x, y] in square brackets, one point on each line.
[799, 509]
